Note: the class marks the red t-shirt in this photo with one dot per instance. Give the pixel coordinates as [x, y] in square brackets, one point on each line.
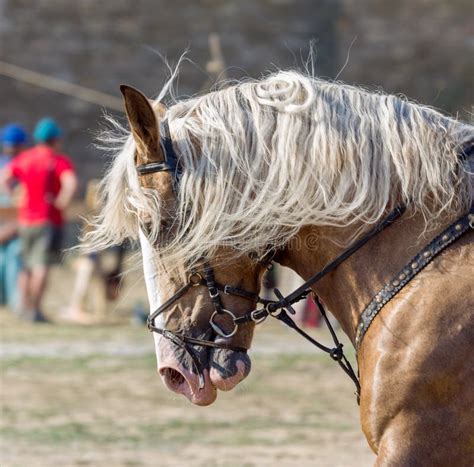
[39, 170]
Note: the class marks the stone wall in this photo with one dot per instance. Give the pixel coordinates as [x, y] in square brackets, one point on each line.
[422, 48]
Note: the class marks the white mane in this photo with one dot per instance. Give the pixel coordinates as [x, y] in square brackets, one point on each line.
[284, 152]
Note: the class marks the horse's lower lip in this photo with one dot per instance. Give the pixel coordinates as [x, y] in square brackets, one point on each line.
[228, 368]
[228, 383]
[221, 369]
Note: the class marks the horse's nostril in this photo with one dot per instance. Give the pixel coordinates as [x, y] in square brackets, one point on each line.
[173, 378]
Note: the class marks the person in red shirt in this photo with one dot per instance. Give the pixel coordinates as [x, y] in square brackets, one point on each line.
[48, 183]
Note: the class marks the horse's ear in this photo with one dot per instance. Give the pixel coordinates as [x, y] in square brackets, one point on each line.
[144, 125]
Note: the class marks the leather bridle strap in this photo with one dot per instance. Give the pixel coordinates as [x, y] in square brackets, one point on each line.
[284, 303]
[393, 216]
[194, 280]
[170, 164]
[175, 337]
[177, 295]
[210, 281]
[410, 270]
[181, 340]
[336, 353]
[153, 167]
[282, 309]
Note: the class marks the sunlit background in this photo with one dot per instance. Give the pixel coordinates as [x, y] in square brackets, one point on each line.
[89, 395]
[420, 48]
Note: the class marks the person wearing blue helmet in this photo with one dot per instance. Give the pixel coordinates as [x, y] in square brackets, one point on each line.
[13, 139]
[48, 180]
[47, 131]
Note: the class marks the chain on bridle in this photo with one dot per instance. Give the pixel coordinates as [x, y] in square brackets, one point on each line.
[281, 308]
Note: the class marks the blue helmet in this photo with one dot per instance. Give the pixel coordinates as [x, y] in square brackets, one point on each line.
[46, 130]
[13, 135]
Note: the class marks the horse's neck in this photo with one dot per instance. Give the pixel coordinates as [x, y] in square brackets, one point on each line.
[347, 290]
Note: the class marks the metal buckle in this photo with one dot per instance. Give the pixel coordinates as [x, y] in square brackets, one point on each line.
[226, 289]
[217, 329]
[195, 279]
[213, 292]
[258, 320]
[271, 312]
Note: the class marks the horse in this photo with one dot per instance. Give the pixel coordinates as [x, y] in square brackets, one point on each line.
[297, 170]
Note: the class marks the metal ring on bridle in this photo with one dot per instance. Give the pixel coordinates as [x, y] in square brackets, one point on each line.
[271, 310]
[195, 279]
[217, 329]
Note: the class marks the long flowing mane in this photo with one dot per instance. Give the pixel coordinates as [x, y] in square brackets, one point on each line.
[261, 159]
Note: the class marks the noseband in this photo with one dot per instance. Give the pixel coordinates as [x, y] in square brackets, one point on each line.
[282, 308]
[207, 279]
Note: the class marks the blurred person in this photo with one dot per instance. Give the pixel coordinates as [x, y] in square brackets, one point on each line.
[111, 283]
[89, 264]
[13, 139]
[311, 314]
[49, 182]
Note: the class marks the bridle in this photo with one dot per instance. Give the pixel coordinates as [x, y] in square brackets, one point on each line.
[282, 308]
[215, 289]
[205, 278]
[196, 279]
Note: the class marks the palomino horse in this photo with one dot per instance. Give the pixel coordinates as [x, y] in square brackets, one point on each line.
[315, 176]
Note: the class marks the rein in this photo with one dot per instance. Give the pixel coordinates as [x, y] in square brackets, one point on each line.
[303, 291]
[282, 308]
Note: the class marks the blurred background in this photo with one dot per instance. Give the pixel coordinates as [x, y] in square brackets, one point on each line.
[421, 48]
[88, 394]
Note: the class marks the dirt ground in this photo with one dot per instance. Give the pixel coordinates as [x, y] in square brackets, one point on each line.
[90, 396]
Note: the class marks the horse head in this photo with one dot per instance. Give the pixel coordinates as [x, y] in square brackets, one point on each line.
[211, 182]
[199, 348]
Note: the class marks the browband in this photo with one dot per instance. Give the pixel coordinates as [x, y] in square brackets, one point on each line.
[170, 163]
[153, 167]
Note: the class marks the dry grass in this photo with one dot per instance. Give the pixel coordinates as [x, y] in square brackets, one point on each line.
[90, 396]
